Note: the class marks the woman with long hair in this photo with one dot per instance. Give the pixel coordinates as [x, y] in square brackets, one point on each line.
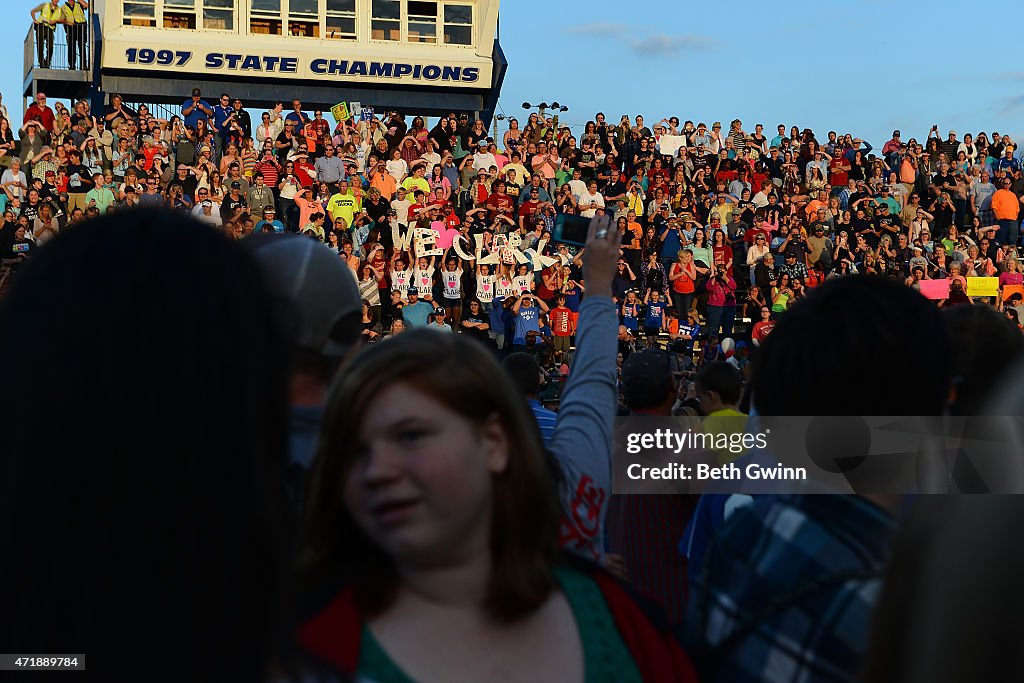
[230, 156]
[434, 504]
[701, 249]
[721, 252]
[438, 181]
[782, 293]
[369, 290]
[858, 167]
[441, 136]
[512, 137]
[216, 188]
[7, 142]
[92, 156]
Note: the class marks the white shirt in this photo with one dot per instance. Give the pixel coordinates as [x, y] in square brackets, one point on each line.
[484, 160]
[585, 199]
[401, 208]
[485, 288]
[212, 219]
[452, 283]
[9, 177]
[432, 159]
[398, 169]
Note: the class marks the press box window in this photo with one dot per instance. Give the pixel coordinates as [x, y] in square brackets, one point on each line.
[265, 17]
[385, 20]
[422, 22]
[341, 19]
[303, 18]
[219, 15]
[179, 14]
[139, 13]
[458, 24]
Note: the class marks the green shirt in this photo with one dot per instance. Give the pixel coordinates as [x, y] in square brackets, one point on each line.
[605, 657]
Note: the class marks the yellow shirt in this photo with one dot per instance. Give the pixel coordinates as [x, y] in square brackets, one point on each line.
[343, 206]
[725, 421]
[521, 175]
[412, 183]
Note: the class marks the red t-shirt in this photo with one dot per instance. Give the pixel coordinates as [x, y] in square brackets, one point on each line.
[527, 208]
[836, 176]
[762, 329]
[499, 201]
[305, 179]
[561, 321]
[751, 235]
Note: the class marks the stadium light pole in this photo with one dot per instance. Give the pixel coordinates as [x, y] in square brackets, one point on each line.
[544, 106]
[499, 117]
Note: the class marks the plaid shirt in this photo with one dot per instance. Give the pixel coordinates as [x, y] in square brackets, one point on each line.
[788, 589]
[794, 271]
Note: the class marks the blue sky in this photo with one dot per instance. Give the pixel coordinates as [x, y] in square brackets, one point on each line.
[861, 66]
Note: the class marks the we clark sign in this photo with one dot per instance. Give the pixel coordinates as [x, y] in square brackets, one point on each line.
[505, 249]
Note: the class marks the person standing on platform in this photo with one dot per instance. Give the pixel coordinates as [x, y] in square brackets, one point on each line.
[50, 14]
[75, 27]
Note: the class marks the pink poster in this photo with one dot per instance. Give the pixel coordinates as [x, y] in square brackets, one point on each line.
[935, 289]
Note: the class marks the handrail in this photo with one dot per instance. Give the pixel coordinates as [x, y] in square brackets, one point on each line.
[59, 61]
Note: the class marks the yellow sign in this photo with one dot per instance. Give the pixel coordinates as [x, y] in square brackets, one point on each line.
[982, 286]
[340, 112]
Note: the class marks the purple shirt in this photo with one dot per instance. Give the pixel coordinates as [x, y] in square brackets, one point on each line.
[719, 293]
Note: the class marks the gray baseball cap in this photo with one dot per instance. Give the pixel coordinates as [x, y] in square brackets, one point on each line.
[318, 287]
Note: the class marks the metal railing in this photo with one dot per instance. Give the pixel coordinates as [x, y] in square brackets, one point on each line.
[36, 54]
[158, 110]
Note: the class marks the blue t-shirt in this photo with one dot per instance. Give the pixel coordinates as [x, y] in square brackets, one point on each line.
[220, 115]
[572, 298]
[631, 316]
[278, 226]
[417, 314]
[671, 246]
[197, 113]
[497, 321]
[655, 314]
[692, 330]
[297, 118]
[527, 320]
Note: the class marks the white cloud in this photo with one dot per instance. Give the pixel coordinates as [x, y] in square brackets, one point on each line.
[662, 45]
[654, 45]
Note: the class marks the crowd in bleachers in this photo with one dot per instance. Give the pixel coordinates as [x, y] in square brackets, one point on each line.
[728, 223]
